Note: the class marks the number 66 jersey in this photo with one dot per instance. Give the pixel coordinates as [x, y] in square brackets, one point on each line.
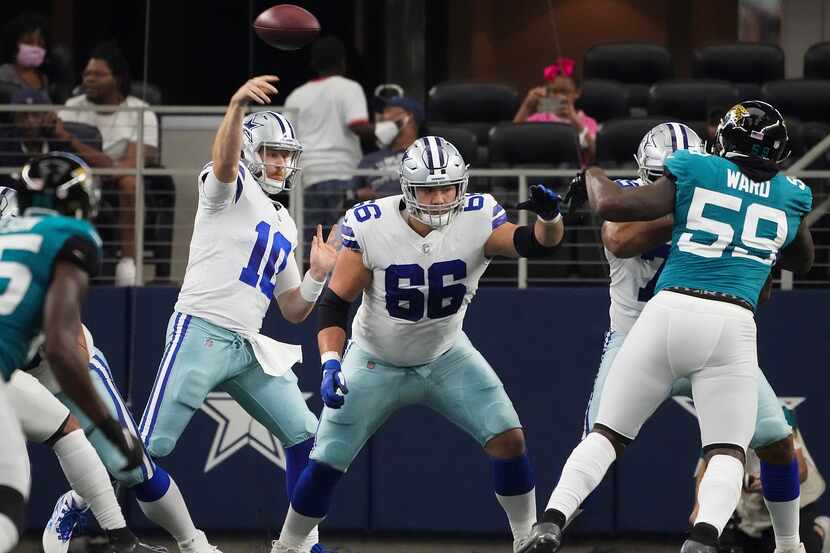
[413, 310]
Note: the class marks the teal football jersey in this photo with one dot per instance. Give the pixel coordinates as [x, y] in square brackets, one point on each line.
[728, 229]
[28, 248]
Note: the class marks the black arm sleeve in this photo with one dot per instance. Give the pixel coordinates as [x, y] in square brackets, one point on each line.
[332, 310]
[80, 251]
[524, 240]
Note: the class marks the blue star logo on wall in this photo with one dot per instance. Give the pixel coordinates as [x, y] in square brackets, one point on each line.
[248, 127]
[237, 429]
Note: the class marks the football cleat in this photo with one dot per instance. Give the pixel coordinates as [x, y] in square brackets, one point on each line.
[277, 547]
[692, 546]
[68, 512]
[795, 549]
[545, 537]
[198, 544]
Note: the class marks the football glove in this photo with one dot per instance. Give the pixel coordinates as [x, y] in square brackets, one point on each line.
[333, 380]
[576, 195]
[543, 201]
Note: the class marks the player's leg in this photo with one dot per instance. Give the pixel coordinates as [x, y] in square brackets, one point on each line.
[46, 420]
[637, 383]
[611, 346]
[464, 388]
[725, 392]
[15, 479]
[374, 394]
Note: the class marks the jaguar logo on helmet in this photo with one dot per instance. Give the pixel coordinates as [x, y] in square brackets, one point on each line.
[433, 162]
[263, 134]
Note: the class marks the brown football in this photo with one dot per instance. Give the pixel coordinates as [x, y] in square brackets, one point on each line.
[286, 26]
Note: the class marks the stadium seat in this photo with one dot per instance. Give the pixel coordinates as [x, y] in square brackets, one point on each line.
[812, 133]
[603, 100]
[534, 144]
[474, 106]
[636, 64]
[688, 99]
[463, 139]
[748, 91]
[153, 96]
[739, 63]
[806, 99]
[817, 61]
[618, 139]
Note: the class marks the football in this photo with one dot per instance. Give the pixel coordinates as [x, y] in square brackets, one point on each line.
[287, 27]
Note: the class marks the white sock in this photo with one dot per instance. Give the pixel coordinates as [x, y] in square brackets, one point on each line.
[520, 511]
[88, 477]
[170, 512]
[8, 534]
[785, 520]
[719, 491]
[296, 528]
[313, 538]
[583, 471]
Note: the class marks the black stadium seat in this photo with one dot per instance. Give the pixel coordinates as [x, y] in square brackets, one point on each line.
[463, 139]
[603, 100]
[534, 144]
[739, 63]
[688, 99]
[805, 99]
[617, 140]
[475, 106]
[817, 61]
[636, 64]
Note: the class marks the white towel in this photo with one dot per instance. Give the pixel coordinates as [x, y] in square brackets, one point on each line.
[276, 358]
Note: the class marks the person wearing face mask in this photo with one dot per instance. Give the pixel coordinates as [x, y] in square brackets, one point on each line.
[554, 103]
[396, 129]
[24, 50]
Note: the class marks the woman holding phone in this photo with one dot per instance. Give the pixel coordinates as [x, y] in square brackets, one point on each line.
[554, 102]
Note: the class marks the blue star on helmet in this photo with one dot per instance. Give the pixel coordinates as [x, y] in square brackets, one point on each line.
[249, 126]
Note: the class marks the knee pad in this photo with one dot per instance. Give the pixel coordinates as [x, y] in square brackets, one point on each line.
[12, 505]
[159, 446]
[770, 430]
[334, 453]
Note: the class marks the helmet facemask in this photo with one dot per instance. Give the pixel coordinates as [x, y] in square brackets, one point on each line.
[268, 131]
[433, 215]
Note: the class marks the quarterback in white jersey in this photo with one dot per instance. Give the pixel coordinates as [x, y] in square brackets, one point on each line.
[416, 258]
[241, 257]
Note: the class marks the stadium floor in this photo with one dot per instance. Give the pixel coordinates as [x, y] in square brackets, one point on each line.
[350, 543]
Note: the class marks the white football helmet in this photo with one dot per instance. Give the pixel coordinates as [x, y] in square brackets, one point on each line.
[659, 143]
[270, 130]
[430, 162]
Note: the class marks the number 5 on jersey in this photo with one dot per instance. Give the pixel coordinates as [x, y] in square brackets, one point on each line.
[278, 257]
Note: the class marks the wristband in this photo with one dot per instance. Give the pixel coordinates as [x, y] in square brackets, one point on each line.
[311, 289]
[551, 221]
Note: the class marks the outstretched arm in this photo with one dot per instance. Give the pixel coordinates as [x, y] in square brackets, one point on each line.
[537, 240]
[297, 302]
[632, 239]
[613, 203]
[227, 145]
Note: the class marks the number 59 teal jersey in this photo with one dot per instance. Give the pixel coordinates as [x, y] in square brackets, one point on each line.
[728, 229]
[29, 247]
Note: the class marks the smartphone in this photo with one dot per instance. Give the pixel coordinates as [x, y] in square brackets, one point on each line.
[550, 104]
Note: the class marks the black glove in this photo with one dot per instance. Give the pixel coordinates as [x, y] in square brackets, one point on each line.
[576, 195]
[126, 442]
[543, 201]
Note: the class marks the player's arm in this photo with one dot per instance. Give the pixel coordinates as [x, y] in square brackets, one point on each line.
[644, 203]
[799, 254]
[349, 279]
[632, 239]
[227, 145]
[297, 301]
[62, 324]
[533, 241]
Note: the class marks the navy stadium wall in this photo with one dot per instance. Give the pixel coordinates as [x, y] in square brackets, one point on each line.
[419, 473]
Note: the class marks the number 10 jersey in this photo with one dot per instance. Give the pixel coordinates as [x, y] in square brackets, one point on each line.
[413, 309]
[242, 245]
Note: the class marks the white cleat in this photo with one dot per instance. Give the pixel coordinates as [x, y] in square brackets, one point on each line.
[797, 549]
[823, 522]
[125, 272]
[197, 544]
[277, 547]
[65, 517]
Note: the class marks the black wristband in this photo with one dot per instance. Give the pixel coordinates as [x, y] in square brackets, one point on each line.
[524, 240]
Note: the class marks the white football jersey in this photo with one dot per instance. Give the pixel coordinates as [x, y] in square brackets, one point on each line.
[413, 309]
[240, 254]
[632, 280]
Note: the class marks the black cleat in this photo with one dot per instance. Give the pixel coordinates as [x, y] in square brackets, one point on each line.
[692, 546]
[137, 547]
[545, 537]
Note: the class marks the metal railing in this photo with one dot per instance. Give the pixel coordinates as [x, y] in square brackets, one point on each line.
[579, 261]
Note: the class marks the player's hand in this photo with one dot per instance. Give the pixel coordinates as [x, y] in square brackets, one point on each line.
[576, 195]
[534, 95]
[543, 201]
[259, 89]
[126, 442]
[324, 254]
[333, 380]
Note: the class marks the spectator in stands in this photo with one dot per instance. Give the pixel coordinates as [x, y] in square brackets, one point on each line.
[106, 82]
[32, 132]
[555, 102]
[750, 529]
[408, 116]
[24, 54]
[332, 118]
